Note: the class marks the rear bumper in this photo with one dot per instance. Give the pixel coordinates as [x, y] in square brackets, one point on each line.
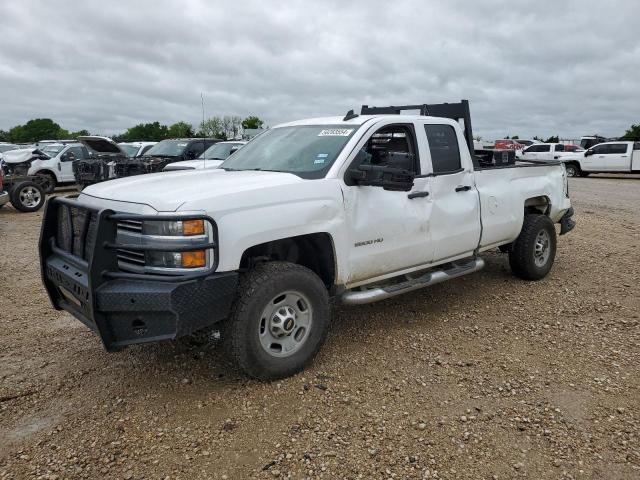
[566, 222]
[123, 308]
[4, 197]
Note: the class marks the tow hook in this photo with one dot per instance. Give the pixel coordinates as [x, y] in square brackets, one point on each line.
[566, 222]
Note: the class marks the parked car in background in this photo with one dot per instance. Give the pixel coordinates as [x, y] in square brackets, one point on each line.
[53, 161]
[608, 157]
[135, 149]
[507, 144]
[23, 191]
[100, 165]
[5, 147]
[546, 151]
[211, 158]
[163, 153]
[526, 142]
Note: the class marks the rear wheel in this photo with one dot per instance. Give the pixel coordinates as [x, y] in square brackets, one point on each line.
[47, 181]
[279, 320]
[573, 170]
[27, 196]
[532, 254]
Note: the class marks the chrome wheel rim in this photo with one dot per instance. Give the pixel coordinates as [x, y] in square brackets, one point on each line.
[542, 248]
[571, 171]
[29, 196]
[285, 324]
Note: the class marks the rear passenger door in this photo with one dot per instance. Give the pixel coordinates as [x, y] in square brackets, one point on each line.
[454, 224]
[609, 157]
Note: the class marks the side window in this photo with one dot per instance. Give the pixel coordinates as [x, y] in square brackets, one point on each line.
[393, 145]
[544, 148]
[559, 147]
[443, 145]
[600, 149]
[74, 153]
[197, 148]
[618, 148]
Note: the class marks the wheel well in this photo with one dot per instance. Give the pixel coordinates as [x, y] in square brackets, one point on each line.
[47, 172]
[540, 204]
[314, 251]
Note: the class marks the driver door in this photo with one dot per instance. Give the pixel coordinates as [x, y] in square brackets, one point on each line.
[387, 230]
[66, 162]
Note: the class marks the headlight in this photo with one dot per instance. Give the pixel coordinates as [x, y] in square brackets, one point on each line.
[195, 259]
[179, 228]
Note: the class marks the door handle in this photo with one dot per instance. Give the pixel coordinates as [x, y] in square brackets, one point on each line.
[624, 156]
[463, 188]
[417, 195]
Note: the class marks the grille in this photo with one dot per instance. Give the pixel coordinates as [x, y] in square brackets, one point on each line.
[130, 226]
[74, 234]
[130, 257]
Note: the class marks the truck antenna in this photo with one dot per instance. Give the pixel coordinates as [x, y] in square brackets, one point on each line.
[204, 133]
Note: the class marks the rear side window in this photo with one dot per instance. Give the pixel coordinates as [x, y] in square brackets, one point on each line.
[538, 148]
[618, 148]
[559, 148]
[443, 145]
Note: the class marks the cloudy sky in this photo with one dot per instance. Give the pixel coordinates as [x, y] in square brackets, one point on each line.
[528, 68]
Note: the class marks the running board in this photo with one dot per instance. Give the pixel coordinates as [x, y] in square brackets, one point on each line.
[374, 294]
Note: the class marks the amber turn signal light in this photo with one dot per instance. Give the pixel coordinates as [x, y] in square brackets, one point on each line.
[195, 259]
[193, 227]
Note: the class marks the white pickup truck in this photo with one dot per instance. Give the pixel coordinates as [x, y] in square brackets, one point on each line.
[608, 157]
[355, 209]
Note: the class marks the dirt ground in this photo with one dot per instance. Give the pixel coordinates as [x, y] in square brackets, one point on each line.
[483, 377]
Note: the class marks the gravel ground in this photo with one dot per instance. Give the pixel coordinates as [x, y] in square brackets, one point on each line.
[483, 377]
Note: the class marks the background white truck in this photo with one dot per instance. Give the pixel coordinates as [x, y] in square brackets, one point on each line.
[608, 157]
[358, 209]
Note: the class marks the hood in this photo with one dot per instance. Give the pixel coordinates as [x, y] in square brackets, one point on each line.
[21, 155]
[193, 165]
[168, 191]
[102, 145]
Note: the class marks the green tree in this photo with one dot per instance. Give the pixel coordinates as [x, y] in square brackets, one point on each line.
[36, 130]
[212, 128]
[181, 130]
[552, 139]
[145, 131]
[79, 133]
[515, 137]
[4, 136]
[252, 122]
[633, 133]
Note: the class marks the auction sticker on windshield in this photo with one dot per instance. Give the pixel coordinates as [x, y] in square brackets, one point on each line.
[336, 132]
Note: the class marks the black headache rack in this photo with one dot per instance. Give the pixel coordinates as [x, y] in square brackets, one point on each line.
[454, 111]
[79, 269]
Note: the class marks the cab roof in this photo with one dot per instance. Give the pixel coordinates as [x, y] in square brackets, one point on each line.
[361, 119]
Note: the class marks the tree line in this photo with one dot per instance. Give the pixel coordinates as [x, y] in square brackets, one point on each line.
[223, 127]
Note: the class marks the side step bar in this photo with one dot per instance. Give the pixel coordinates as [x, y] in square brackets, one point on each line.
[374, 294]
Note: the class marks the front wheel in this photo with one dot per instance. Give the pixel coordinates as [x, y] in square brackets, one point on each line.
[279, 320]
[27, 196]
[532, 254]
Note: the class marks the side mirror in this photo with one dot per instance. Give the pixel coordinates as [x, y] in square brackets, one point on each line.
[588, 152]
[396, 175]
[67, 157]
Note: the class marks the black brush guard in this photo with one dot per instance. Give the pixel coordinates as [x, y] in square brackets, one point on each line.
[79, 269]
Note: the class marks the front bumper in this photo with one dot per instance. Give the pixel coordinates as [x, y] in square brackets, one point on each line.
[566, 222]
[4, 198]
[124, 308]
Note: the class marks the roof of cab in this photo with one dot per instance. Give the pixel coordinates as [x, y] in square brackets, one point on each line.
[359, 120]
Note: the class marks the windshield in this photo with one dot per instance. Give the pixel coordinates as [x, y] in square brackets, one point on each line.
[52, 150]
[305, 150]
[168, 148]
[130, 150]
[219, 151]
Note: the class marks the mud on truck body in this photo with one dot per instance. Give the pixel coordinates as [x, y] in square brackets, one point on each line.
[356, 209]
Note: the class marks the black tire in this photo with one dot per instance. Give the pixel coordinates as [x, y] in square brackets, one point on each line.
[48, 182]
[246, 328]
[573, 169]
[27, 196]
[525, 257]
[505, 248]
[584, 174]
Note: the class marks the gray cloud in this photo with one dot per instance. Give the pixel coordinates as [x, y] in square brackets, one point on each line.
[528, 68]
